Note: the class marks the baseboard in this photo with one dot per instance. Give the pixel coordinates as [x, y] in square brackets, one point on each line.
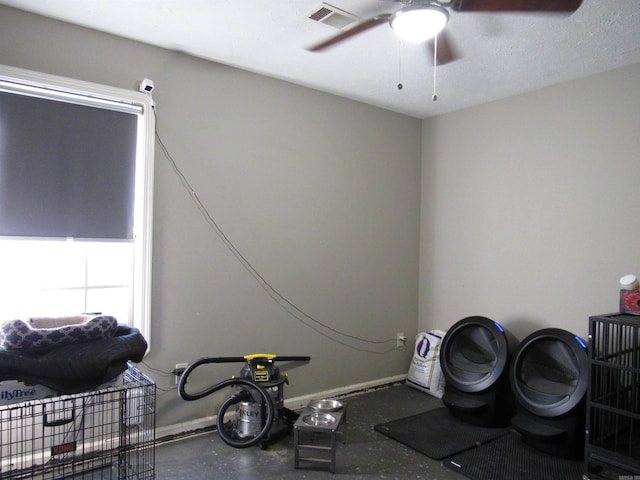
[298, 403]
[178, 430]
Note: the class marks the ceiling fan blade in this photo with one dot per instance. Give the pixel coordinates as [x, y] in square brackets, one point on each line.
[355, 30]
[445, 52]
[516, 5]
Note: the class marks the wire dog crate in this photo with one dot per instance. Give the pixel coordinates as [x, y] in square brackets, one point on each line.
[104, 434]
[612, 449]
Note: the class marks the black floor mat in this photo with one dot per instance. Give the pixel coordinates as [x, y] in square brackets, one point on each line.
[509, 458]
[437, 434]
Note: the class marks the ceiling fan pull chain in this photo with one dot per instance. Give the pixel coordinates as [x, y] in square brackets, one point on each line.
[400, 86]
[434, 97]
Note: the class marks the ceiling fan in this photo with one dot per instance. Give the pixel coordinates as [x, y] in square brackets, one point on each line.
[424, 20]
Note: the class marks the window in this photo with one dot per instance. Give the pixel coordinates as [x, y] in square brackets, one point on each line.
[76, 171]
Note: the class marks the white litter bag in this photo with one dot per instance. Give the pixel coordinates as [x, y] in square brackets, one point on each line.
[424, 372]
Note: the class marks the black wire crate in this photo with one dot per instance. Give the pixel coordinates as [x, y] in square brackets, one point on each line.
[108, 433]
[612, 449]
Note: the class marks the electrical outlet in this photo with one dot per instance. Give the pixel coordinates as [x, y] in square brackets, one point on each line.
[179, 370]
[401, 339]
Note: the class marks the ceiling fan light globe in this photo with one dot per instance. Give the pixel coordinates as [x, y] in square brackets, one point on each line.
[419, 23]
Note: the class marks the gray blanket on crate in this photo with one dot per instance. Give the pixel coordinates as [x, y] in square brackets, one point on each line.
[75, 367]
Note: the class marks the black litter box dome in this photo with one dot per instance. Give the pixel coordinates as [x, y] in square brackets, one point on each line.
[549, 372]
[475, 353]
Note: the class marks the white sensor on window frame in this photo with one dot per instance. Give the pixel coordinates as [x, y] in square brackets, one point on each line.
[146, 86]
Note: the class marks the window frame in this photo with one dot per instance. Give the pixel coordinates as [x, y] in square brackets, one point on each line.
[18, 80]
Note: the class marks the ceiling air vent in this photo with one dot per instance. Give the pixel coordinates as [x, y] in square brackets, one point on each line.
[332, 16]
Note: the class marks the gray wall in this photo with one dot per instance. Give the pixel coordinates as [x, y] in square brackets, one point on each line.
[530, 206]
[319, 193]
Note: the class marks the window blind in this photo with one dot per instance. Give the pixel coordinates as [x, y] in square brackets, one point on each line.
[66, 169]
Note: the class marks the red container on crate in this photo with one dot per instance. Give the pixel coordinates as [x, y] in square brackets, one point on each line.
[630, 302]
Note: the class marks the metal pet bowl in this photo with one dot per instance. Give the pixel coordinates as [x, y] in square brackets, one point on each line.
[327, 405]
[319, 419]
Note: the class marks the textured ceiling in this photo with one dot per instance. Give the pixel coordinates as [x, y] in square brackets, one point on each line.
[501, 54]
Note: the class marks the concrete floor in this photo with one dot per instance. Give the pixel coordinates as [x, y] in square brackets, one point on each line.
[366, 454]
